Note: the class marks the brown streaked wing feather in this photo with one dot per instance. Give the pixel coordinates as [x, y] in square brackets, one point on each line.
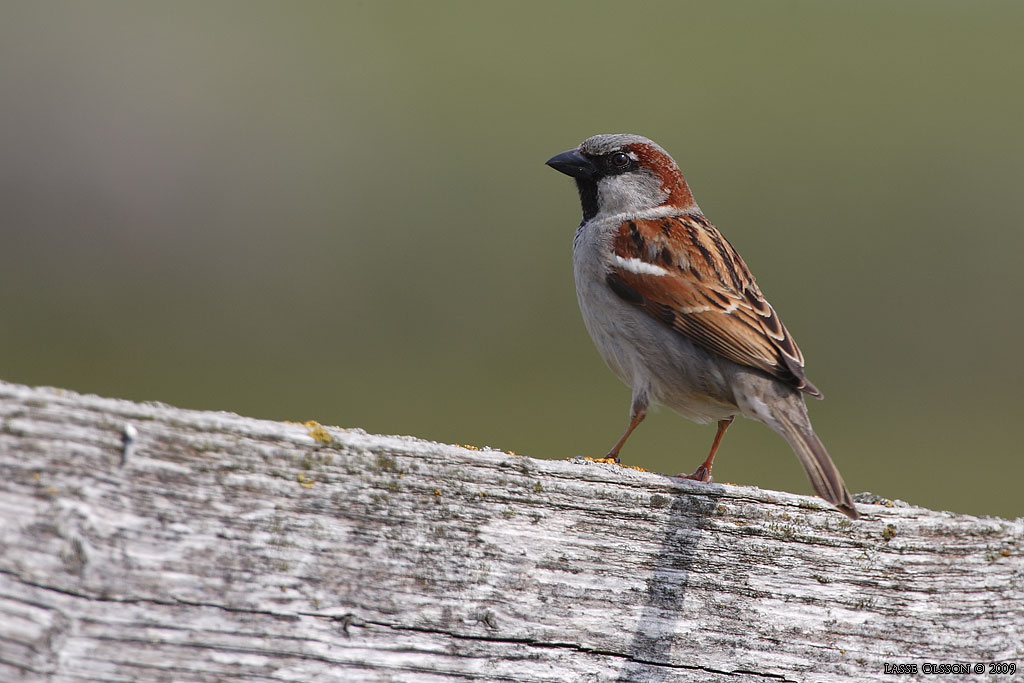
[708, 294]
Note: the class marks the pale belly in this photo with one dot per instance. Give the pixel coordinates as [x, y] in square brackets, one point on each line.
[651, 357]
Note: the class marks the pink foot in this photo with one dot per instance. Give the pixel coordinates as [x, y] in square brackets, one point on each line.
[702, 474]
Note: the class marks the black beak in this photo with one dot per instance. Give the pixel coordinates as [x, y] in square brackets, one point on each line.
[573, 163]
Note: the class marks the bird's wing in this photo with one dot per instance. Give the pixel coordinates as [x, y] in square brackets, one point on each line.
[683, 272]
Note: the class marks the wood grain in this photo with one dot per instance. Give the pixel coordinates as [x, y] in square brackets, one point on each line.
[211, 547]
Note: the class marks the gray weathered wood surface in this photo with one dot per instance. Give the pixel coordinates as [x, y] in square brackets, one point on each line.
[214, 547]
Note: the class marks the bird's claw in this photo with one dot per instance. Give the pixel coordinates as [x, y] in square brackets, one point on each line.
[702, 474]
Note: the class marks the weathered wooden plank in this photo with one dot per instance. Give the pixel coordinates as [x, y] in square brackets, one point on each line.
[218, 547]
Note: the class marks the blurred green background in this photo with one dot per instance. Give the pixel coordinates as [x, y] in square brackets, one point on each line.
[340, 211]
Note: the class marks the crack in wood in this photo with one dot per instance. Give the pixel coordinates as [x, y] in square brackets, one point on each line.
[351, 620]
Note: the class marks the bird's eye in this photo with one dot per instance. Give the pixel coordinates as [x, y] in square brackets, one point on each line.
[620, 159]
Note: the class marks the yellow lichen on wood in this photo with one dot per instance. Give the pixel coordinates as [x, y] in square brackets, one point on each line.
[318, 432]
[611, 461]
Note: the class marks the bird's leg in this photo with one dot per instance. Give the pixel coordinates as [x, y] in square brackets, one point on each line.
[637, 413]
[703, 472]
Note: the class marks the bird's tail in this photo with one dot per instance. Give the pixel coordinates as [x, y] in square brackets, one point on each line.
[825, 478]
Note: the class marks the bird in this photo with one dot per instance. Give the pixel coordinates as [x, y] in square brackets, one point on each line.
[675, 312]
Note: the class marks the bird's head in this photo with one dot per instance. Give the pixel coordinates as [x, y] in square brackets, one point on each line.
[622, 173]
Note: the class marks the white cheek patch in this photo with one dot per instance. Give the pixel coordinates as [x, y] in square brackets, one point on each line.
[635, 265]
[629, 192]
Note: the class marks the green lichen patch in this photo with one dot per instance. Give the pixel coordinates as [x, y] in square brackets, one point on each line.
[313, 460]
[659, 501]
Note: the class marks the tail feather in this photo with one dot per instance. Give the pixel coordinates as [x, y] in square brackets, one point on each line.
[822, 472]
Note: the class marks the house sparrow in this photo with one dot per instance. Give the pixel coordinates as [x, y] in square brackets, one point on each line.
[675, 312]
